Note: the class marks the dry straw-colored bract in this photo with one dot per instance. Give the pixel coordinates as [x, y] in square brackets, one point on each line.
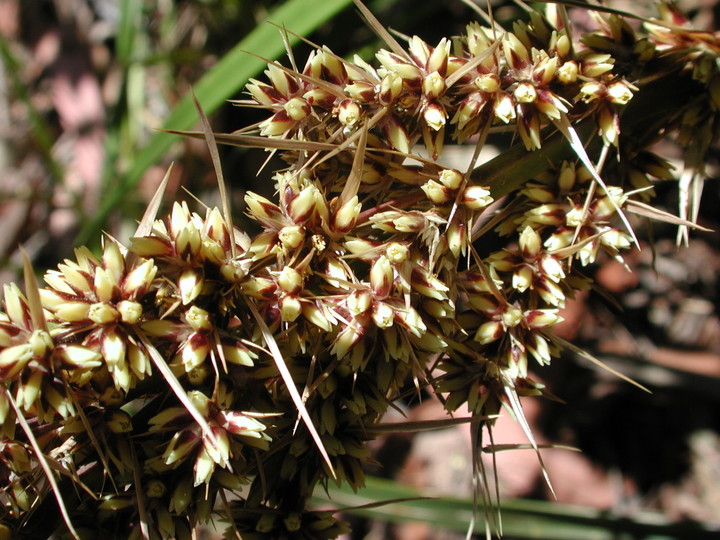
[200, 374]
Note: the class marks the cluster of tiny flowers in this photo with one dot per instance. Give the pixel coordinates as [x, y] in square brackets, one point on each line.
[525, 79]
[201, 373]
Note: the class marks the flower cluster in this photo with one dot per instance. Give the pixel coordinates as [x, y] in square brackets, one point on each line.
[201, 372]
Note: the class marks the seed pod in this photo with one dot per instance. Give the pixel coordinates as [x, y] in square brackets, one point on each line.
[291, 236]
[197, 375]
[103, 313]
[293, 521]
[266, 523]
[155, 489]
[182, 495]
[118, 421]
[396, 252]
[130, 311]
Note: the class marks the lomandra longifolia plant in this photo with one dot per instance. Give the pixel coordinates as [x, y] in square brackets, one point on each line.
[200, 373]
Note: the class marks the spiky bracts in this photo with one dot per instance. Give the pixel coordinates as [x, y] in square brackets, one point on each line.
[202, 374]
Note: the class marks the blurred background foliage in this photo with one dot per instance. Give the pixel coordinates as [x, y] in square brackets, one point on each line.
[86, 84]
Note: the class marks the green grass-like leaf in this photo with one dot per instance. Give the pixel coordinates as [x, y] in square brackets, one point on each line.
[522, 518]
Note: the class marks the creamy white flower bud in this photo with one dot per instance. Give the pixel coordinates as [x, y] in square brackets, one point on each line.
[290, 280]
[190, 283]
[435, 116]
[103, 313]
[358, 302]
[347, 214]
[512, 317]
[525, 93]
[297, 108]
[382, 315]
[290, 308]
[567, 73]
[130, 312]
[433, 85]
[348, 112]
[382, 276]
[488, 332]
[436, 192]
[530, 243]
[476, 197]
[504, 108]
[488, 82]
[619, 93]
[198, 319]
[450, 178]
[396, 252]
